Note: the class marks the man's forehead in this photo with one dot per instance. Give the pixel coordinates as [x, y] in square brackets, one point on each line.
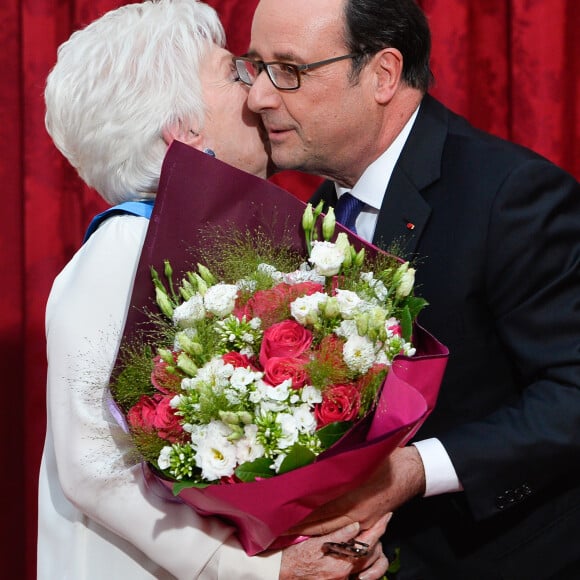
[296, 30]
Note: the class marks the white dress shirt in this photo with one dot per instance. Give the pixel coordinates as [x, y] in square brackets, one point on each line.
[440, 475]
[99, 516]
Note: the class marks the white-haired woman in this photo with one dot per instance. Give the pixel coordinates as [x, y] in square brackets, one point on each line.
[122, 89]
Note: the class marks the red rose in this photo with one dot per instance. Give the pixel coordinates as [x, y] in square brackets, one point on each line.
[285, 339]
[339, 403]
[238, 360]
[163, 380]
[278, 369]
[155, 415]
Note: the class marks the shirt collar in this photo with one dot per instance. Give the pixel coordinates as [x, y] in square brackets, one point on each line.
[371, 186]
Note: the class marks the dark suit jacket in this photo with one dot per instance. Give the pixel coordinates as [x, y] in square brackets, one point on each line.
[497, 248]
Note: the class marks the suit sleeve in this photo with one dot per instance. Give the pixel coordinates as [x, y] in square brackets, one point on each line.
[533, 291]
[97, 469]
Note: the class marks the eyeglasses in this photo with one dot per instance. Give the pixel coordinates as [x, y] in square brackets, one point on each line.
[284, 75]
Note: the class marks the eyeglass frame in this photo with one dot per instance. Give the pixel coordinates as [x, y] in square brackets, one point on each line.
[297, 68]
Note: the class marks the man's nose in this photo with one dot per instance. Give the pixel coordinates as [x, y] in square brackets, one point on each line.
[263, 94]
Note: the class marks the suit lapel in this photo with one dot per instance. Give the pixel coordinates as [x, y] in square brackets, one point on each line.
[405, 213]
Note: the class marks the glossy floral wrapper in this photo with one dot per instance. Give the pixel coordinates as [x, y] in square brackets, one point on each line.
[197, 192]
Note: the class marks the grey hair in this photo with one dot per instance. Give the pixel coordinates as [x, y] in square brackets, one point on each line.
[119, 82]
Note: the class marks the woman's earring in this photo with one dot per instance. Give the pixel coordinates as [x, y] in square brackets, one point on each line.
[209, 152]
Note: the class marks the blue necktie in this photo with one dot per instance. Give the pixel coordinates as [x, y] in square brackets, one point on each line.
[347, 209]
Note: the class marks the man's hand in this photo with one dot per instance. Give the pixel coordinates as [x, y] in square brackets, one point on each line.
[398, 479]
[309, 560]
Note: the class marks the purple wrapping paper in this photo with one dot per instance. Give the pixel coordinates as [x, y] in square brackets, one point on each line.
[197, 191]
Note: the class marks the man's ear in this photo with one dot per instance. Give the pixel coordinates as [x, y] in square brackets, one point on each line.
[178, 132]
[388, 69]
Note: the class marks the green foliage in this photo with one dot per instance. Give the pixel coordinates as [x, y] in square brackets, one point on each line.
[238, 254]
[331, 433]
[149, 445]
[251, 470]
[135, 378]
[298, 456]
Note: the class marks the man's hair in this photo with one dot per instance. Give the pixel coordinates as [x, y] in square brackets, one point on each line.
[372, 25]
[119, 82]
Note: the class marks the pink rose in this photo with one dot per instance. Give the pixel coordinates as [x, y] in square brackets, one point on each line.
[270, 306]
[163, 380]
[304, 289]
[285, 339]
[339, 403]
[278, 369]
[238, 360]
[155, 415]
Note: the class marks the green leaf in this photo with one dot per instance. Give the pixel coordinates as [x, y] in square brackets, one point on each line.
[250, 470]
[415, 305]
[406, 323]
[179, 486]
[298, 456]
[332, 432]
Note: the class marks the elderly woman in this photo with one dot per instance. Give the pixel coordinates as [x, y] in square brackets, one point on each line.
[122, 89]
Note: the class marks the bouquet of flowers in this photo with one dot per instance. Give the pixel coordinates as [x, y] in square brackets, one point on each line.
[261, 386]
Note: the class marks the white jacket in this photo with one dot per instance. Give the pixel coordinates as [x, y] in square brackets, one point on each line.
[98, 517]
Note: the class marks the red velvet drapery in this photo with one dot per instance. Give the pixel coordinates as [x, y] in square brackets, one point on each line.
[510, 66]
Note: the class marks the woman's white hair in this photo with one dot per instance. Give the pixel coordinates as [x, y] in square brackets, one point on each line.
[119, 82]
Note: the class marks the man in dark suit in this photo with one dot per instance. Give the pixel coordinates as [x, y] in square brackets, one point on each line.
[491, 486]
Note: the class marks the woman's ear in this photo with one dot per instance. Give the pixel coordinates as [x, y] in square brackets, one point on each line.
[388, 69]
[178, 132]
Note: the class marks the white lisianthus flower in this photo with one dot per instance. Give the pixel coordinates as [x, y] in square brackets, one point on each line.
[311, 395]
[164, 460]
[215, 455]
[327, 258]
[189, 312]
[348, 302]
[248, 448]
[289, 427]
[358, 353]
[305, 308]
[220, 299]
[305, 419]
[346, 329]
[343, 244]
[407, 282]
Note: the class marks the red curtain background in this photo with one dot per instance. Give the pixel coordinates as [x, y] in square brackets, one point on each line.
[510, 66]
